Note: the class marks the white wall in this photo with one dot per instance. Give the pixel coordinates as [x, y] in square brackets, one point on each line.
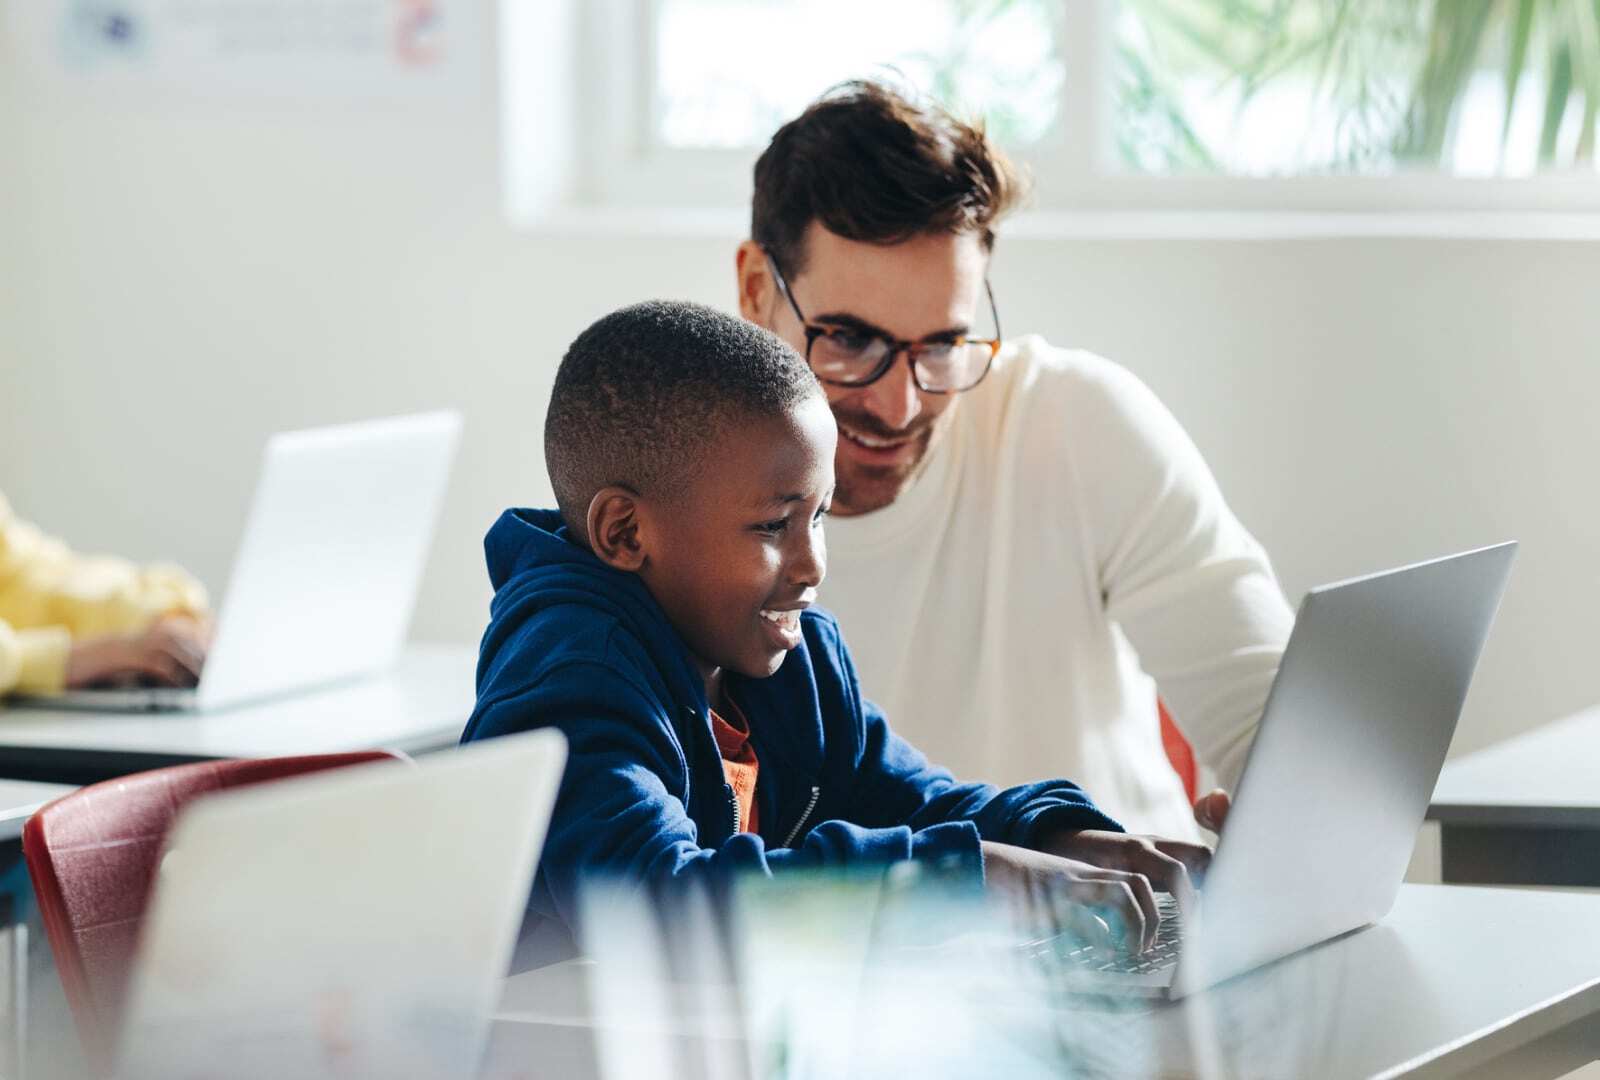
[179, 279]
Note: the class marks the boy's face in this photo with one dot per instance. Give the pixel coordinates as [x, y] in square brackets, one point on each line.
[735, 557]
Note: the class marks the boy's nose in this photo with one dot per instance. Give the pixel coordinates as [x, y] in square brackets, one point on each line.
[810, 563]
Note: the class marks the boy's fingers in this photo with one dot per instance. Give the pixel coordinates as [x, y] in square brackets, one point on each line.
[1196, 858]
[1146, 896]
[1168, 872]
[1117, 897]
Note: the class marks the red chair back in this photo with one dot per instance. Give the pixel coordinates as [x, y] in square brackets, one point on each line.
[93, 856]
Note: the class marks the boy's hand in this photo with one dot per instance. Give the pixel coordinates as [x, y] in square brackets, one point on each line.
[1170, 865]
[1145, 863]
[1054, 894]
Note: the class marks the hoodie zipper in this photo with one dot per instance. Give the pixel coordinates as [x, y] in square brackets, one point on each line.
[733, 807]
[788, 841]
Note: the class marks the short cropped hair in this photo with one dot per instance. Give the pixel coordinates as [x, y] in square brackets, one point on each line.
[644, 391]
[875, 164]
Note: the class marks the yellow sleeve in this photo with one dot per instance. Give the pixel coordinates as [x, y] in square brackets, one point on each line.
[34, 661]
[43, 583]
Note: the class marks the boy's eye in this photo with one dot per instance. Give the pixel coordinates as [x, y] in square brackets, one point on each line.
[774, 526]
[822, 512]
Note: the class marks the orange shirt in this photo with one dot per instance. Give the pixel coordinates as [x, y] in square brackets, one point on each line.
[738, 760]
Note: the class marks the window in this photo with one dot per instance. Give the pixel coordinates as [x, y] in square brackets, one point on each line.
[1366, 87]
[1365, 105]
[717, 86]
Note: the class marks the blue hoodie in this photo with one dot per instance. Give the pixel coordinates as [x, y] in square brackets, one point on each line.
[575, 644]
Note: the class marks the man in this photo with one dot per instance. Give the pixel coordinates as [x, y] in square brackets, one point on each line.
[1026, 548]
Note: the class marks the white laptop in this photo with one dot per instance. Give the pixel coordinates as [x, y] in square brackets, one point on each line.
[327, 572]
[1337, 782]
[353, 923]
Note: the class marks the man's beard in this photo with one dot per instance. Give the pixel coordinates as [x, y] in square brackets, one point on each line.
[861, 488]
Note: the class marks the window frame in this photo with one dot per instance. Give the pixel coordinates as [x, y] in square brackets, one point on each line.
[621, 166]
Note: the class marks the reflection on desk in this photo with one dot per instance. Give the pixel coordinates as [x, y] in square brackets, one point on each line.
[1452, 981]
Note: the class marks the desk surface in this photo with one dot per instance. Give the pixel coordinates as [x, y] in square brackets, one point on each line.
[421, 705]
[20, 798]
[1543, 778]
[1452, 978]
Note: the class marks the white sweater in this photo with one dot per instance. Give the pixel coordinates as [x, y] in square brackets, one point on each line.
[1064, 552]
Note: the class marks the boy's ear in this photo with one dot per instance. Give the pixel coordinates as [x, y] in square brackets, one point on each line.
[613, 523]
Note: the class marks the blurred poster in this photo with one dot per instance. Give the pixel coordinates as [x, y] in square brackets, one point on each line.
[277, 48]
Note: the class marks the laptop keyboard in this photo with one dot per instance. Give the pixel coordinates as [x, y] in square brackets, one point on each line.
[1163, 954]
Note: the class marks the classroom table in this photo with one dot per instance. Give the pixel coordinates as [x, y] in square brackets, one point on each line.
[1453, 982]
[420, 705]
[1525, 811]
[18, 800]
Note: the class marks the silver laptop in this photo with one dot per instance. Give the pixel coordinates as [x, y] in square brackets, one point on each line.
[327, 572]
[1337, 782]
[353, 923]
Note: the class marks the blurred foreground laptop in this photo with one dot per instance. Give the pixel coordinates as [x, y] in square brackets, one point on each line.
[327, 572]
[1337, 782]
[353, 923]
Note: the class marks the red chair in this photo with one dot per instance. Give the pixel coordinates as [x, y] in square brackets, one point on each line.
[93, 856]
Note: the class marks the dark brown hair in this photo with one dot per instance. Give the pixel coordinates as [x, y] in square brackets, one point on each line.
[873, 164]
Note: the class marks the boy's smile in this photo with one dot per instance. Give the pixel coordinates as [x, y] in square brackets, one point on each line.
[735, 557]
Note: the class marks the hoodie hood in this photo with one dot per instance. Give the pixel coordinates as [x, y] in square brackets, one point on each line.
[535, 565]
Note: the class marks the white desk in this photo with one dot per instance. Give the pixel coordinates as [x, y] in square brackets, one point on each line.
[1456, 981]
[422, 705]
[19, 799]
[1526, 810]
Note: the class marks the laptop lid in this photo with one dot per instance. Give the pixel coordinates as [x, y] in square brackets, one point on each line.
[352, 923]
[1348, 752]
[327, 573]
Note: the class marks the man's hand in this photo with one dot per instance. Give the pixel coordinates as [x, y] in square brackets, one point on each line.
[1211, 809]
[170, 652]
[1056, 892]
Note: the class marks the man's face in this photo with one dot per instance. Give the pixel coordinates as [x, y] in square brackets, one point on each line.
[924, 288]
[734, 558]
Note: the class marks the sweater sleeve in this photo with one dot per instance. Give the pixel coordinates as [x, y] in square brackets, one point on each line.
[43, 583]
[1189, 586]
[896, 784]
[34, 661]
[622, 812]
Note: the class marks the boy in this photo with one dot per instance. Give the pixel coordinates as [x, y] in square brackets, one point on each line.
[662, 619]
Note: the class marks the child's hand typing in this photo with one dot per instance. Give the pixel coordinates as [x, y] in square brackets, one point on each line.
[1112, 874]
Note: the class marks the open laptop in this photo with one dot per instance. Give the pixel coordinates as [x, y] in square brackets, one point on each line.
[327, 572]
[1337, 781]
[353, 923]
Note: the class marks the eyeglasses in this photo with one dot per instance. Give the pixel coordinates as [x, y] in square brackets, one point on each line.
[849, 357]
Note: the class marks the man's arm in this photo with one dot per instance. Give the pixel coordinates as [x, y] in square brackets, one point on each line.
[1189, 586]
